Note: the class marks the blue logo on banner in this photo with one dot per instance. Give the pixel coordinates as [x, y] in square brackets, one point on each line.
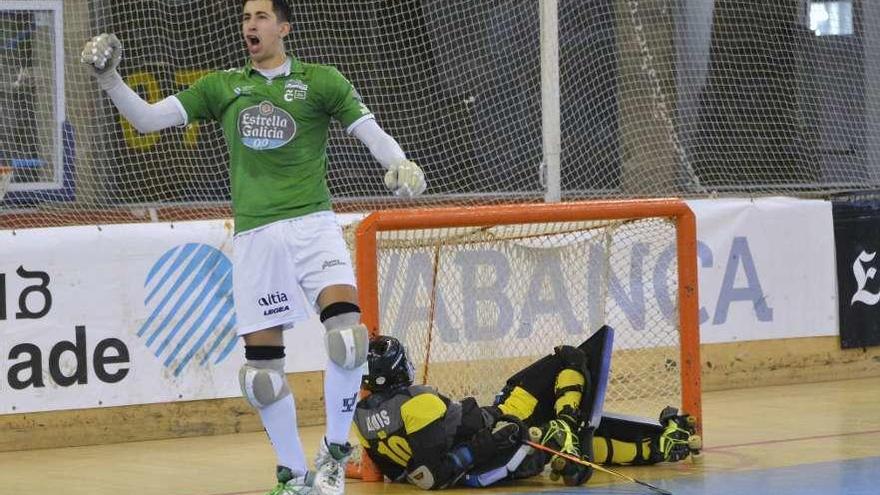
[189, 295]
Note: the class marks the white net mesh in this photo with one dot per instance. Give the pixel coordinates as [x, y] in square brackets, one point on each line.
[658, 98]
[475, 305]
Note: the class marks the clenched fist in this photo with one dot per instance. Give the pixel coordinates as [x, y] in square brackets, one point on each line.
[102, 53]
[405, 178]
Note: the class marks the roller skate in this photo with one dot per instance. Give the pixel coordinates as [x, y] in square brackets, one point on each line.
[290, 484]
[330, 465]
[678, 440]
[557, 434]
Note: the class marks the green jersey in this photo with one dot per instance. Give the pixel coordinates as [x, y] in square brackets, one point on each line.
[276, 132]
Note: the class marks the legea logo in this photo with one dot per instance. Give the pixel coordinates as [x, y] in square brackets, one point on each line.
[862, 277]
[189, 298]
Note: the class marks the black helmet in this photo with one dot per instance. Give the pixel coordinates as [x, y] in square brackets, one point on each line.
[389, 365]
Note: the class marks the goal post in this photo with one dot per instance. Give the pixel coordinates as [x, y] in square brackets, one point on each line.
[478, 292]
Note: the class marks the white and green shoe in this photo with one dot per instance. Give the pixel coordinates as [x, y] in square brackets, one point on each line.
[290, 484]
[330, 467]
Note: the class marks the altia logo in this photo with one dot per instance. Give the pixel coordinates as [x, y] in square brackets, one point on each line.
[189, 298]
[273, 299]
[862, 277]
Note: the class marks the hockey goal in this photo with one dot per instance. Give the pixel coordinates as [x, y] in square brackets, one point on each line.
[476, 293]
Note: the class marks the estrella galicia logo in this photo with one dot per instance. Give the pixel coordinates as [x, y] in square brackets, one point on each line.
[862, 295]
[189, 298]
[265, 126]
[274, 303]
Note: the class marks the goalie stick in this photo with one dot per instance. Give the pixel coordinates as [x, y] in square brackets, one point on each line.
[593, 465]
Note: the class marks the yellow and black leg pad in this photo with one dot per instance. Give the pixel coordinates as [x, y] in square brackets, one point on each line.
[631, 440]
[569, 391]
[518, 402]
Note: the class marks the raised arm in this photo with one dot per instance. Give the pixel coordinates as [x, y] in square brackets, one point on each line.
[103, 53]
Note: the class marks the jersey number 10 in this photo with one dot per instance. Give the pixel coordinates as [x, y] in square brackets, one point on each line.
[395, 448]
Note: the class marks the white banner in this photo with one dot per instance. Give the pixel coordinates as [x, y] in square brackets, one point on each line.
[132, 314]
[124, 314]
[766, 269]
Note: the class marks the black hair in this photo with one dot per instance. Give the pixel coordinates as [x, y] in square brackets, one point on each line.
[280, 7]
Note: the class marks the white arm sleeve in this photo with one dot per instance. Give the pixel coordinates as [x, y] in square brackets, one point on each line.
[383, 147]
[145, 117]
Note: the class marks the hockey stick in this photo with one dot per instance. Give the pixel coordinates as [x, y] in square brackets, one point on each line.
[593, 465]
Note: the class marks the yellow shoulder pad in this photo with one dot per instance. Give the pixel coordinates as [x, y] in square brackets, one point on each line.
[420, 411]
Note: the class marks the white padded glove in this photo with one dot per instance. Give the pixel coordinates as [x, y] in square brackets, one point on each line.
[102, 53]
[405, 178]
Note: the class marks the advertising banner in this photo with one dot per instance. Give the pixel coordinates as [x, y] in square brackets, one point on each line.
[857, 238]
[766, 269]
[130, 314]
[124, 314]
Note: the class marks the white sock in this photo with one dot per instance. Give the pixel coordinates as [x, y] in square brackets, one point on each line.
[279, 419]
[341, 387]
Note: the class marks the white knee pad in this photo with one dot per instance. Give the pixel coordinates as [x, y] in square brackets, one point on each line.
[263, 382]
[348, 346]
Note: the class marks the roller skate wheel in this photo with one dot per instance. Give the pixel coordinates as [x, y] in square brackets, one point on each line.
[691, 421]
[695, 442]
[535, 434]
[554, 476]
[557, 465]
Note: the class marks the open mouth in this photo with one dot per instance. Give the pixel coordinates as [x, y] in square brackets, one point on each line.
[253, 42]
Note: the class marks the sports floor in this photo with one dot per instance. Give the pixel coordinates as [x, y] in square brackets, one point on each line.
[805, 439]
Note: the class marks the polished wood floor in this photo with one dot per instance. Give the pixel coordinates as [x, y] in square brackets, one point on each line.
[748, 432]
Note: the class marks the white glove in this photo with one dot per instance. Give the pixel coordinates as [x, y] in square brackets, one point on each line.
[405, 178]
[103, 53]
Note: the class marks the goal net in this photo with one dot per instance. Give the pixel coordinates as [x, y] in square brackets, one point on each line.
[478, 293]
[657, 98]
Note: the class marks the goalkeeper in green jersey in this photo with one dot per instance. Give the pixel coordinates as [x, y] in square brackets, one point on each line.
[289, 252]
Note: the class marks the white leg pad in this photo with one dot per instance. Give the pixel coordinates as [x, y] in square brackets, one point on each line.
[263, 382]
[348, 346]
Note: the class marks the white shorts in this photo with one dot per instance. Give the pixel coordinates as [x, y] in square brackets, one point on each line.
[279, 269]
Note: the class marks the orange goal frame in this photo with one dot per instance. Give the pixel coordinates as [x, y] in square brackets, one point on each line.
[484, 216]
